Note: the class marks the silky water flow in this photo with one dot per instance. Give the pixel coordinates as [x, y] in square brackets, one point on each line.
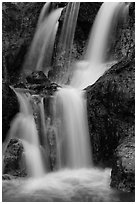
[75, 177]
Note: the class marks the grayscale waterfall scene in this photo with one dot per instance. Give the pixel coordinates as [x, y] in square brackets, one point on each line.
[68, 101]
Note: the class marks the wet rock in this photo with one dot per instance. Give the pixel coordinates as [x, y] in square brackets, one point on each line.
[10, 108]
[12, 159]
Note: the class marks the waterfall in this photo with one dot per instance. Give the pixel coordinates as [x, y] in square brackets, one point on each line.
[88, 71]
[64, 116]
[68, 117]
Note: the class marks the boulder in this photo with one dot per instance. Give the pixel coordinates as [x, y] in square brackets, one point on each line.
[38, 77]
[12, 164]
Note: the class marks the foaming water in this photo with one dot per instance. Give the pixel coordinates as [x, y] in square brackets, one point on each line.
[73, 145]
[66, 185]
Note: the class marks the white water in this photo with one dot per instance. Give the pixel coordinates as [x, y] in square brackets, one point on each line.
[65, 185]
[73, 145]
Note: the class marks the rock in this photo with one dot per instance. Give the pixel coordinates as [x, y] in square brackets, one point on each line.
[111, 114]
[123, 168]
[12, 159]
[38, 82]
[38, 77]
[111, 109]
[10, 108]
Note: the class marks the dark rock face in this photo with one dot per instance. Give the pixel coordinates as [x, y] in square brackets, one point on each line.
[123, 169]
[10, 107]
[111, 112]
[12, 159]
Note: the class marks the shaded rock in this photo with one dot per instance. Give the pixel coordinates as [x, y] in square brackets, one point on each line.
[123, 169]
[38, 77]
[10, 108]
[12, 158]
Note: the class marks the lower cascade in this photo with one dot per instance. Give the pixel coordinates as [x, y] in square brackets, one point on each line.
[61, 124]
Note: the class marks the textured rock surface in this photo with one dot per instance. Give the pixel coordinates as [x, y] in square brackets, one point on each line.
[12, 159]
[123, 169]
[37, 77]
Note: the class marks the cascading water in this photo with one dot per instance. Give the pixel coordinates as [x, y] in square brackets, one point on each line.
[72, 129]
[76, 178]
[24, 128]
[93, 66]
